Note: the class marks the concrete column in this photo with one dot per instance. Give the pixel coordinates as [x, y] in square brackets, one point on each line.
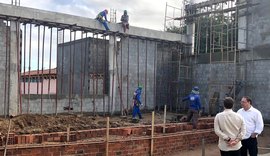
[13, 78]
[242, 24]
[242, 32]
[191, 27]
[112, 73]
[191, 36]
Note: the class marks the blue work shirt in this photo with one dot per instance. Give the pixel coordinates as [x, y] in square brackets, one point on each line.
[137, 96]
[194, 101]
[103, 14]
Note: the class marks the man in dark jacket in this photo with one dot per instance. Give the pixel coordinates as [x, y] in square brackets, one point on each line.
[194, 106]
[124, 21]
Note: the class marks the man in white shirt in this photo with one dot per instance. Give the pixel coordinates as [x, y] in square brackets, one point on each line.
[254, 126]
[230, 128]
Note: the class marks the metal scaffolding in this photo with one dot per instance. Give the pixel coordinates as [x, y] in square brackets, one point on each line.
[213, 28]
[50, 69]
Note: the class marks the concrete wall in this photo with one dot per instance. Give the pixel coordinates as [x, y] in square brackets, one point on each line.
[257, 58]
[258, 87]
[258, 24]
[81, 66]
[219, 78]
[48, 104]
[9, 68]
[139, 57]
[3, 62]
[213, 78]
[252, 65]
[139, 62]
[137, 68]
[165, 74]
[147, 63]
[81, 59]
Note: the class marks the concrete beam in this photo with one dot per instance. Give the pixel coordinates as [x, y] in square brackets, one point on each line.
[60, 18]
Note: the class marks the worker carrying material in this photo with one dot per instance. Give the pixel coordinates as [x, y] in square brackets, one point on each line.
[137, 103]
[194, 106]
[124, 21]
[102, 18]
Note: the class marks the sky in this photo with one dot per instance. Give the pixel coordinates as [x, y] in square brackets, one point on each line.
[142, 13]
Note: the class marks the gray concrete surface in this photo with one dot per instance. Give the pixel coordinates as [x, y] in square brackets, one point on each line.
[3, 61]
[139, 62]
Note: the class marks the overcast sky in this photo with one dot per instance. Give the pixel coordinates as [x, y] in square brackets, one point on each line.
[143, 13]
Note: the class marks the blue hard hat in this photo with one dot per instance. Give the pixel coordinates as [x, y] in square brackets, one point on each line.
[195, 88]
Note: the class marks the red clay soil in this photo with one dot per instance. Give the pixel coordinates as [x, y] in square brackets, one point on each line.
[34, 123]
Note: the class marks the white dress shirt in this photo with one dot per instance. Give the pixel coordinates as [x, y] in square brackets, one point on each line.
[229, 125]
[253, 121]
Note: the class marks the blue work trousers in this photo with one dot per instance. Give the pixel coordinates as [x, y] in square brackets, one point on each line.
[136, 110]
[104, 23]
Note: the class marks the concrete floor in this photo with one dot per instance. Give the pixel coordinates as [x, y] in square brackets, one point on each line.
[210, 150]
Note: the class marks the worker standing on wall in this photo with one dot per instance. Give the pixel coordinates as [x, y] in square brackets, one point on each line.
[102, 18]
[124, 21]
[194, 106]
[137, 103]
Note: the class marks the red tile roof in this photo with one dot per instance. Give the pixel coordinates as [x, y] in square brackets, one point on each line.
[39, 72]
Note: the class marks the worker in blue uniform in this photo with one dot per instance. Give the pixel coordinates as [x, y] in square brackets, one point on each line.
[137, 103]
[102, 18]
[194, 106]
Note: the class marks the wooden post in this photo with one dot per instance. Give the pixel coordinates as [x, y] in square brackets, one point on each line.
[164, 119]
[203, 147]
[107, 136]
[9, 125]
[68, 133]
[152, 133]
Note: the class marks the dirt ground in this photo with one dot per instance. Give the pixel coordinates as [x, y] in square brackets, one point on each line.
[33, 124]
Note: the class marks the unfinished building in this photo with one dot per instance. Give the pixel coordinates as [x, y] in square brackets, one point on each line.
[229, 54]
[219, 45]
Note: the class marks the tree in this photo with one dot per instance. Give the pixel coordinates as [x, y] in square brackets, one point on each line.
[213, 33]
[178, 30]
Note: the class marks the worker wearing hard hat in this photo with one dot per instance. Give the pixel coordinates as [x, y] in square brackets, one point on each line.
[194, 106]
[102, 18]
[137, 103]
